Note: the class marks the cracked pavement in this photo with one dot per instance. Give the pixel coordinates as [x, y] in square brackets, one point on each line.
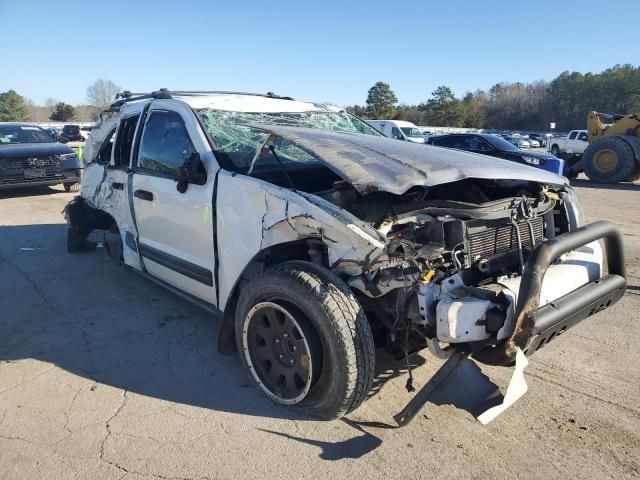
[105, 375]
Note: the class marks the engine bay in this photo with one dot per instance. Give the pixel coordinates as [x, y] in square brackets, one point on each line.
[450, 247]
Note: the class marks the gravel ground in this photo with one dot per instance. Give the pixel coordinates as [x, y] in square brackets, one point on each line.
[105, 375]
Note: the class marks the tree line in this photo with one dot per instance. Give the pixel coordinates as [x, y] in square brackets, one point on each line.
[565, 100]
[16, 108]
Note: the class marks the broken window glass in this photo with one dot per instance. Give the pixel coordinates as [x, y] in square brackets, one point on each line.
[238, 144]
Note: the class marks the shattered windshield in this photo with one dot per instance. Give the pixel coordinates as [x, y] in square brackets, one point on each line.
[238, 144]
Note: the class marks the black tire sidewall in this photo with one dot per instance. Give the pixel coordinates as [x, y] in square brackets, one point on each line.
[278, 286]
[626, 160]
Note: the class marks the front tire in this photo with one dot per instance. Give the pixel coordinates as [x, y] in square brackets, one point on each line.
[71, 187]
[305, 339]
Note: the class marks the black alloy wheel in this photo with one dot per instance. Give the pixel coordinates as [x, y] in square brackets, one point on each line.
[278, 352]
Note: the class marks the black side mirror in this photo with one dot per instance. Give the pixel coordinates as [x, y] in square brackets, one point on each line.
[192, 171]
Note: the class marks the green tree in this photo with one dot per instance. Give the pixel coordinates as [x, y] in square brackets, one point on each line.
[13, 108]
[381, 102]
[475, 106]
[63, 112]
[358, 111]
[565, 100]
[444, 109]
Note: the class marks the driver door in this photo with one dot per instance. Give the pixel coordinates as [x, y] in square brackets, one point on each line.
[175, 229]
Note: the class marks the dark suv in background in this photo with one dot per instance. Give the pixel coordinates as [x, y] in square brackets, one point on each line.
[30, 156]
[495, 146]
[72, 133]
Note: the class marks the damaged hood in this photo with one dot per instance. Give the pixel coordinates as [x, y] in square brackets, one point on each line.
[372, 163]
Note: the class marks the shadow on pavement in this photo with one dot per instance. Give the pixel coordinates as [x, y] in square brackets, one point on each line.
[35, 191]
[355, 447]
[388, 367]
[103, 322]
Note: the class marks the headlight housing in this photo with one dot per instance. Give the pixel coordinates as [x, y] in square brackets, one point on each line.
[532, 160]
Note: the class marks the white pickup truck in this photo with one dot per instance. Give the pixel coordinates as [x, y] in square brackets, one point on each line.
[575, 143]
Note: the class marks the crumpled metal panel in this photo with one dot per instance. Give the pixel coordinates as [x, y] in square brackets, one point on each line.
[252, 214]
[372, 163]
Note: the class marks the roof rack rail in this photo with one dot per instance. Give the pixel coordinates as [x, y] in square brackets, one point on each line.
[127, 96]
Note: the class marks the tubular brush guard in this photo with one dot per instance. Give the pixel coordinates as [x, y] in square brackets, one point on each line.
[535, 326]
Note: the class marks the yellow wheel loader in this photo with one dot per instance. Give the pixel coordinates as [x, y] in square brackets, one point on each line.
[613, 154]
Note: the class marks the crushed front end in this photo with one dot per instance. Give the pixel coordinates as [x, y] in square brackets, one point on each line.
[485, 268]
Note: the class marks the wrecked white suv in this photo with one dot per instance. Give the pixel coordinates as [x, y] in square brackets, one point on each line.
[321, 240]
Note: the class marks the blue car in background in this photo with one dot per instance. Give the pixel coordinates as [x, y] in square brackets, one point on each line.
[495, 146]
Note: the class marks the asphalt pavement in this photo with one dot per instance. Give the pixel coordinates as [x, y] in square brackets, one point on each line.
[105, 375]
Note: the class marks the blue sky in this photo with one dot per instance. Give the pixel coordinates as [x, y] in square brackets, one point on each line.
[323, 50]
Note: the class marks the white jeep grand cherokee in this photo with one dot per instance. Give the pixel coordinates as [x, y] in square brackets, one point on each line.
[321, 240]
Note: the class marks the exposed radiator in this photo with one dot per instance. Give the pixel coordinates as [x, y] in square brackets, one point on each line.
[487, 241]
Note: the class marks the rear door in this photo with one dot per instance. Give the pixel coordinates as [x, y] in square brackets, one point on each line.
[175, 229]
[105, 181]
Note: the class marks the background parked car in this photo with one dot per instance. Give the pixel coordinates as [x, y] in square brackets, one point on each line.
[85, 132]
[398, 129]
[497, 146]
[575, 143]
[54, 133]
[540, 137]
[519, 142]
[30, 156]
[533, 142]
[72, 133]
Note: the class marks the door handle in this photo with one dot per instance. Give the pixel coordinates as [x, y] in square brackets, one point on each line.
[117, 185]
[143, 195]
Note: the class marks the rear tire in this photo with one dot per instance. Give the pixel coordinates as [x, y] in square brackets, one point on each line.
[77, 240]
[610, 160]
[332, 334]
[71, 187]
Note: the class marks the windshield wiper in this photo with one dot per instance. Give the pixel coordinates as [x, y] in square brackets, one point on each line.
[269, 144]
[284, 170]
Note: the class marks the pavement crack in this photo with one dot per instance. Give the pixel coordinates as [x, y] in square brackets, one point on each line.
[45, 299]
[108, 429]
[579, 392]
[22, 380]
[68, 410]
[126, 470]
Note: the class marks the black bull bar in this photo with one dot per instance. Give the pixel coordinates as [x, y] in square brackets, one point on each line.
[536, 326]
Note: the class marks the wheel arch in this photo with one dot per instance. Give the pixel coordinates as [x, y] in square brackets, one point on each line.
[309, 248]
[87, 218]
